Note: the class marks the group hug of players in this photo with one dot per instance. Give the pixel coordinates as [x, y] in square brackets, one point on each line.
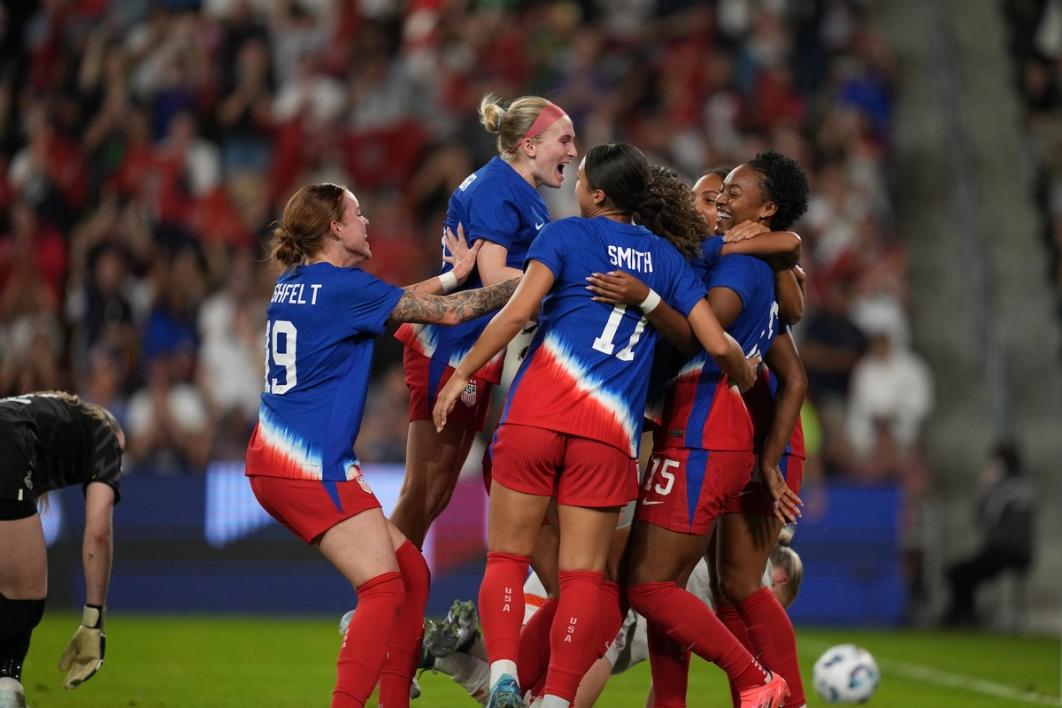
[639, 311]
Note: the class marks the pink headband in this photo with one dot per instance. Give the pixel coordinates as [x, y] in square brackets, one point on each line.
[550, 114]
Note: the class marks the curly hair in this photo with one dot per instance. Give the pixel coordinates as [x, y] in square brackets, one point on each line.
[680, 223]
[783, 182]
[623, 173]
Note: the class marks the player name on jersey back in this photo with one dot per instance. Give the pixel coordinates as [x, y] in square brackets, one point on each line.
[295, 293]
[630, 258]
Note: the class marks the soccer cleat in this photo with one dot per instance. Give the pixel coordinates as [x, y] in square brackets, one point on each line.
[506, 694]
[427, 659]
[11, 693]
[414, 688]
[463, 615]
[440, 638]
[770, 695]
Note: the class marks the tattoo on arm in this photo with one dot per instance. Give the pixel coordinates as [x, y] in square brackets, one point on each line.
[452, 309]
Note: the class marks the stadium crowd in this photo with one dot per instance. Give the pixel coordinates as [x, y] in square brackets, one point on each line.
[147, 146]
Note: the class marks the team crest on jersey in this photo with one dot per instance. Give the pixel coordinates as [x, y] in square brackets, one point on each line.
[468, 396]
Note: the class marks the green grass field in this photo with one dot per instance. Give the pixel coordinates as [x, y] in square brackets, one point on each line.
[170, 662]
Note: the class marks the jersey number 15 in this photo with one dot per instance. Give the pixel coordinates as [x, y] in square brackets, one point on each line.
[281, 339]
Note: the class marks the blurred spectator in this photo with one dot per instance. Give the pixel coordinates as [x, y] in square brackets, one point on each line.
[168, 426]
[891, 388]
[231, 330]
[831, 346]
[1005, 508]
[383, 429]
[104, 382]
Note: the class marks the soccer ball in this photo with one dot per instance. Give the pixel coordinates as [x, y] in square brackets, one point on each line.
[846, 674]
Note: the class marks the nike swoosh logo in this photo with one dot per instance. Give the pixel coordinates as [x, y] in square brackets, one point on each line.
[539, 225]
[650, 503]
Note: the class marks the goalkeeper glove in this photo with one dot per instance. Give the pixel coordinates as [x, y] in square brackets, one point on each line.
[84, 654]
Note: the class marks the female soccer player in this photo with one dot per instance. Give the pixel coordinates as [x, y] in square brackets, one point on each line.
[499, 207]
[321, 321]
[51, 440]
[703, 449]
[573, 416]
[751, 523]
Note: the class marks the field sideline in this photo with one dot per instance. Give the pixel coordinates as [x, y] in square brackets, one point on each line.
[207, 662]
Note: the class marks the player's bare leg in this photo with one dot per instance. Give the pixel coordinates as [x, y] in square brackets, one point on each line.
[576, 639]
[743, 545]
[23, 559]
[677, 619]
[23, 586]
[513, 525]
[433, 464]
[362, 548]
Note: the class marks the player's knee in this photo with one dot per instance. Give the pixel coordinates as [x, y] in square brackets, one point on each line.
[735, 585]
[438, 499]
[19, 617]
[647, 598]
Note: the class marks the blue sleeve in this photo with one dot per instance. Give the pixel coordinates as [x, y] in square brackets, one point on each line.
[493, 216]
[737, 272]
[548, 248]
[711, 250]
[367, 301]
[685, 289]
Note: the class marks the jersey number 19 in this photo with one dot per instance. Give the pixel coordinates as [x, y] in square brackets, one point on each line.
[281, 338]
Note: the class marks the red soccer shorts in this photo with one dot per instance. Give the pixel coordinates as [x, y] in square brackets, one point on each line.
[424, 379]
[685, 489]
[307, 507]
[755, 498]
[578, 471]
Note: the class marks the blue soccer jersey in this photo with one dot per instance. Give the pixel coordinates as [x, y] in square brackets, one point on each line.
[321, 325]
[494, 204]
[700, 410]
[587, 368]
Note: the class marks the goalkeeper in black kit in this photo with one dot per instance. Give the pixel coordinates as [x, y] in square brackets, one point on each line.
[47, 441]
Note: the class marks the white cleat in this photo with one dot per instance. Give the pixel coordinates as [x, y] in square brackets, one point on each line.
[11, 693]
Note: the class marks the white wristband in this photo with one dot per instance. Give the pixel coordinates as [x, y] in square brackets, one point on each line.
[650, 302]
[448, 280]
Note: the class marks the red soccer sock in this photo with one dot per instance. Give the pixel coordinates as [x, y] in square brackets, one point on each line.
[670, 663]
[730, 618]
[576, 631]
[690, 623]
[772, 635]
[501, 604]
[534, 644]
[612, 614]
[362, 654]
[404, 650]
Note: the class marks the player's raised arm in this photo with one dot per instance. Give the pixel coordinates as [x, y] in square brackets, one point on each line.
[789, 293]
[779, 248]
[537, 281]
[452, 309]
[462, 259]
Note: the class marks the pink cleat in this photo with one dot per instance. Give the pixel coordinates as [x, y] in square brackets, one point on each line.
[770, 695]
